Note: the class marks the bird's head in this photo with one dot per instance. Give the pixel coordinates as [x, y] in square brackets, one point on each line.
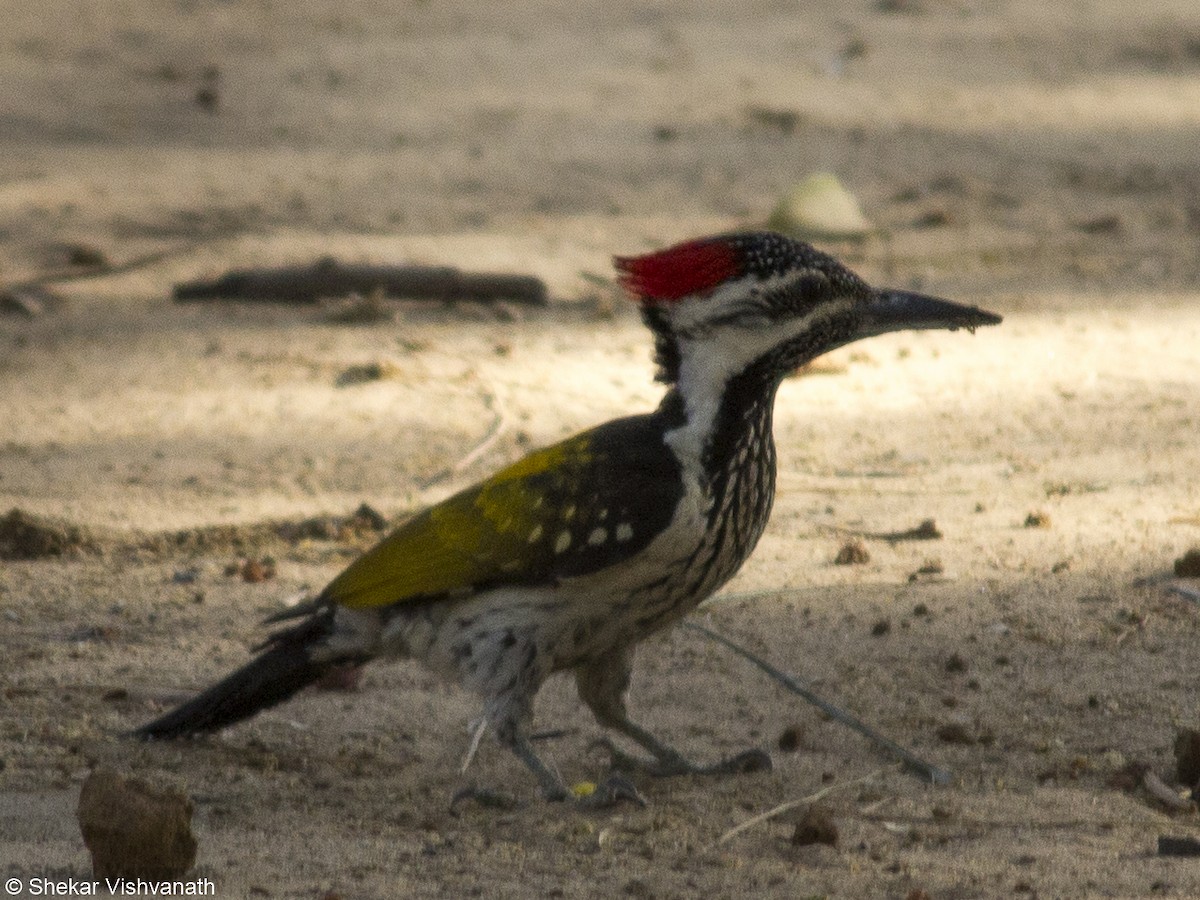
[719, 305]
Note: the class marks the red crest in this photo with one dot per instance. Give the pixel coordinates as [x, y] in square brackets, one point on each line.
[668, 275]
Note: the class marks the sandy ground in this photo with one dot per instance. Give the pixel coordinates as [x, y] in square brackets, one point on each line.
[1037, 159]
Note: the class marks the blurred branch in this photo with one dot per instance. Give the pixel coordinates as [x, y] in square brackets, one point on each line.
[329, 278]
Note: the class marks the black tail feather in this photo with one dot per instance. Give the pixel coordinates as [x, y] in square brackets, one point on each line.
[284, 667]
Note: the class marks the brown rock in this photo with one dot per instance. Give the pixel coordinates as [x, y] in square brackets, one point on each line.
[135, 830]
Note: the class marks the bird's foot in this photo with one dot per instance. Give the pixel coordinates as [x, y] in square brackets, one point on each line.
[670, 763]
[586, 795]
[608, 793]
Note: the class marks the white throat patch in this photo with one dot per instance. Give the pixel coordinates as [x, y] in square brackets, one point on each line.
[709, 361]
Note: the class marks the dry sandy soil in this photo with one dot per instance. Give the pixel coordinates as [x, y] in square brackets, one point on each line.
[1035, 158]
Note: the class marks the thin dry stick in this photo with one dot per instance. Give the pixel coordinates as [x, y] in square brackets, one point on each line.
[497, 428]
[910, 761]
[478, 728]
[926, 531]
[1159, 790]
[490, 437]
[1185, 591]
[792, 804]
[726, 597]
[100, 271]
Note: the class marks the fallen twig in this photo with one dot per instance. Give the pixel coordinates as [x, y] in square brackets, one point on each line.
[31, 297]
[497, 427]
[101, 269]
[910, 761]
[1162, 792]
[1178, 846]
[28, 300]
[1183, 590]
[791, 804]
[926, 531]
[329, 278]
[478, 727]
[727, 597]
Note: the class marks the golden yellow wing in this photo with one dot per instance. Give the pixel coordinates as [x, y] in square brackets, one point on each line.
[565, 510]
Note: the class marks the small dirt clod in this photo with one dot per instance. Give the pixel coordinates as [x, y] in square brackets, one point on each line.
[930, 570]
[1187, 757]
[955, 733]
[1188, 565]
[26, 536]
[254, 571]
[1037, 519]
[956, 663]
[815, 826]
[852, 553]
[344, 678]
[790, 738]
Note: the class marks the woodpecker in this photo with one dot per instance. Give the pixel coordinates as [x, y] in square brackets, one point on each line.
[568, 558]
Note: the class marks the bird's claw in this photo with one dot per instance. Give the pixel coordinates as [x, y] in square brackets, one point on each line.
[752, 760]
[619, 759]
[608, 793]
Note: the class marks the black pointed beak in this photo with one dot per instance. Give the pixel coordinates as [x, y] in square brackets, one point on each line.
[892, 310]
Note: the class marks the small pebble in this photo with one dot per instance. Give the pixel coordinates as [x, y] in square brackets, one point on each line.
[929, 570]
[790, 738]
[255, 571]
[956, 663]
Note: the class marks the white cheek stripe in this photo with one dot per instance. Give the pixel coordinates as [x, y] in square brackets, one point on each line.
[708, 362]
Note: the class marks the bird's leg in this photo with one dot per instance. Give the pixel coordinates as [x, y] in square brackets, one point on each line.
[602, 685]
[513, 714]
[607, 793]
[549, 781]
